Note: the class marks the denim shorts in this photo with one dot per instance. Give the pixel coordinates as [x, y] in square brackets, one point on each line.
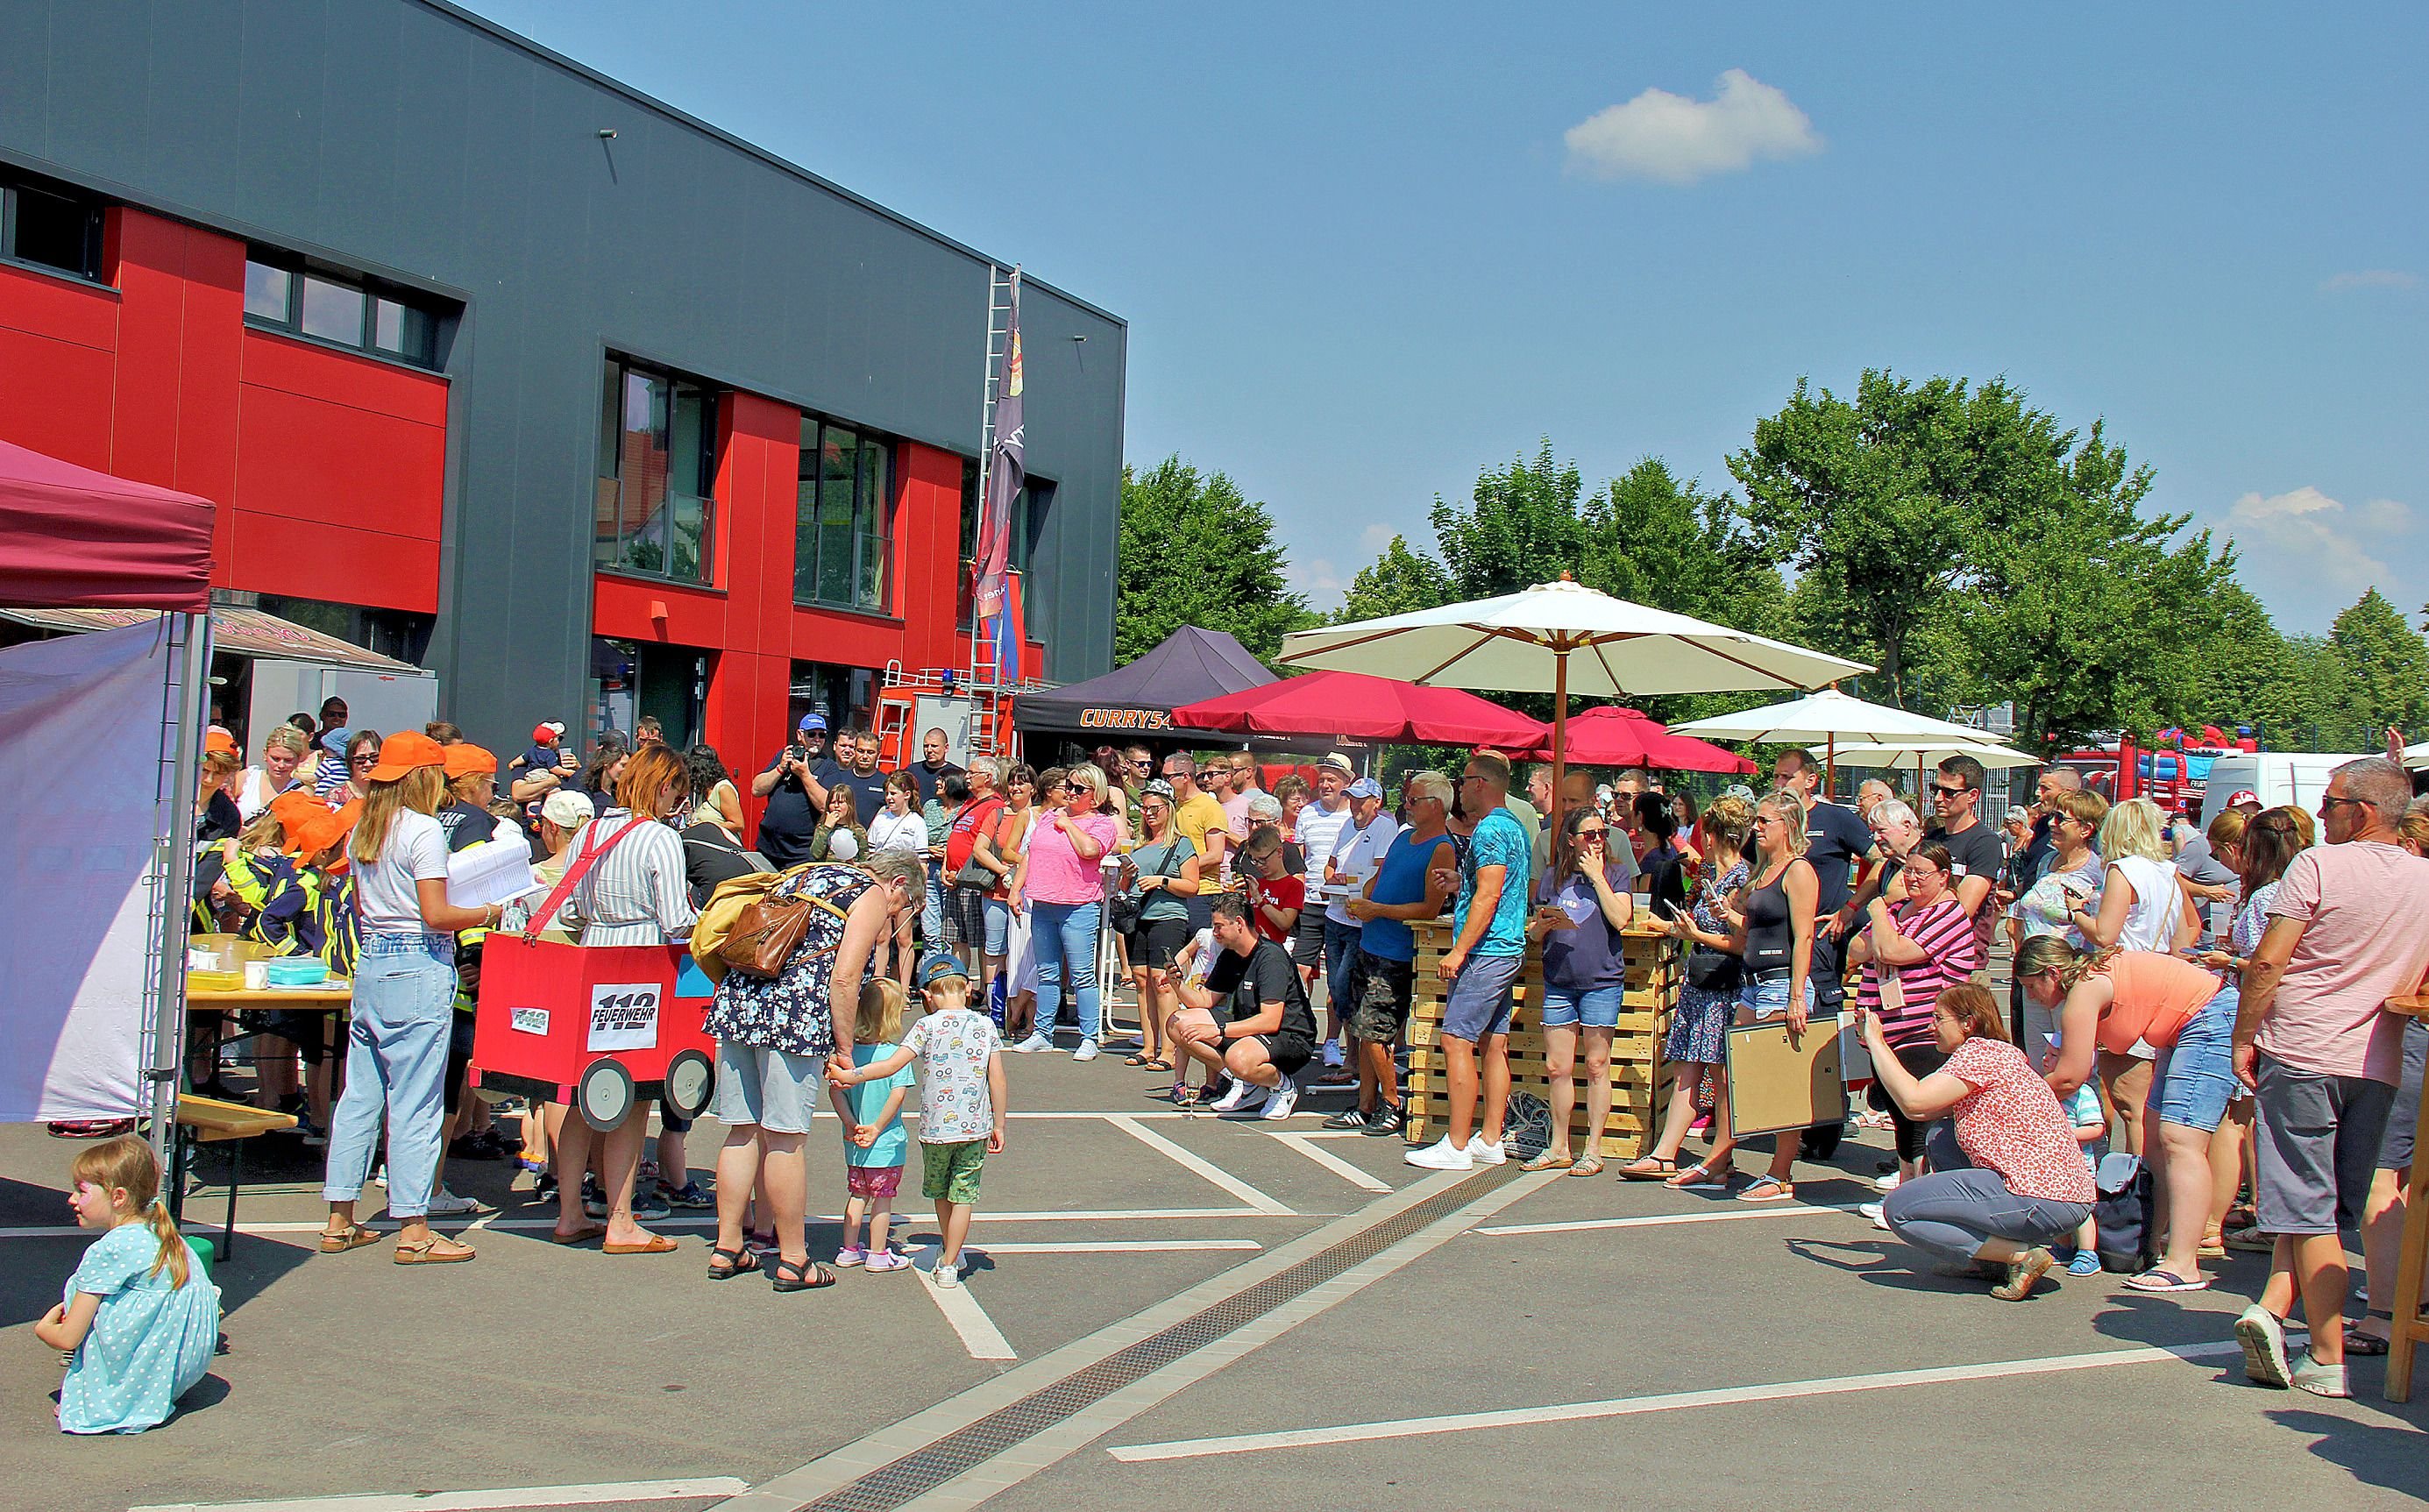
[1597, 1008]
[1767, 994]
[1480, 998]
[2194, 1080]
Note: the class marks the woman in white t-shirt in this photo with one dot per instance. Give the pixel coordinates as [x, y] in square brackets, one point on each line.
[2142, 906]
[404, 997]
[282, 751]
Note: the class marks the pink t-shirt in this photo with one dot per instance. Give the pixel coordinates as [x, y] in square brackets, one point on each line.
[2364, 908]
[1057, 873]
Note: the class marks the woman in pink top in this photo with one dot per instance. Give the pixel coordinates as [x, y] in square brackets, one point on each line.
[1059, 878]
[2011, 1180]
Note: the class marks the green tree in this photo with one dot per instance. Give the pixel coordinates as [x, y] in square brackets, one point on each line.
[1520, 527]
[2244, 671]
[2382, 674]
[1402, 580]
[1195, 551]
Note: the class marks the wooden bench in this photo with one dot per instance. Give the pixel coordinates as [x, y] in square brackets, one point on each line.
[211, 1121]
[2410, 1327]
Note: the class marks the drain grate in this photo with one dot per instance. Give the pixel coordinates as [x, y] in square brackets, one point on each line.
[918, 1473]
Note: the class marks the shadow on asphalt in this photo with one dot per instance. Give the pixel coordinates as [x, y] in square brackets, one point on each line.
[1881, 1262]
[2380, 1455]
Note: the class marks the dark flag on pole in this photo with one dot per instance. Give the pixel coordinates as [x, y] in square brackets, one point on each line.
[1006, 472]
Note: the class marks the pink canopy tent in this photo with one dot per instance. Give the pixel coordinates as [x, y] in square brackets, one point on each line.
[71, 537]
[1615, 735]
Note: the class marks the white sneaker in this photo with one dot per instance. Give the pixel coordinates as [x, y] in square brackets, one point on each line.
[1441, 1156]
[1230, 1101]
[949, 1275]
[1087, 1051]
[1483, 1154]
[1032, 1044]
[1872, 1212]
[1887, 1183]
[445, 1204]
[1332, 1052]
[1282, 1099]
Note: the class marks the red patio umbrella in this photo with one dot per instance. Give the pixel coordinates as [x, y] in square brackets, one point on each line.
[1616, 735]
[1355, 706]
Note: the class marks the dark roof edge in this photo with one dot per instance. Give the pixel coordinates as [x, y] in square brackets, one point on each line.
[456, 12]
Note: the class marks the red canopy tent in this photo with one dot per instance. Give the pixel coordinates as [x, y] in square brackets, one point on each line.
[1355, 706]
[1616, 735]
[71, 537]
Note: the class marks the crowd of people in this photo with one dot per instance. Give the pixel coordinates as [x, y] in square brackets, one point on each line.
[2212, 1003]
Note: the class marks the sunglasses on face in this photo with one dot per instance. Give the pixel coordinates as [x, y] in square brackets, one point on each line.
[1950, 791]
[369, 758]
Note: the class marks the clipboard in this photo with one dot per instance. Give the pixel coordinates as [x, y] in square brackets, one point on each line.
[1775, 1085]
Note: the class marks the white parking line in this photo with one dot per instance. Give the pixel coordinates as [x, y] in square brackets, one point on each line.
[1143, 1246]
[493, 1220]
[979, 1333]
[526, 1496]
[1330, 1161]
[1353, 1433]
[1201, 1166]
[1784, 1209]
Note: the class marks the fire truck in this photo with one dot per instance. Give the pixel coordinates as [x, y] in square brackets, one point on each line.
[2171, 774]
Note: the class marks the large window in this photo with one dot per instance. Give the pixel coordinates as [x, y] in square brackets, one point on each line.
[842, 521]
[657, 466]
[51, 226]
[1029, 510]
[283, 294]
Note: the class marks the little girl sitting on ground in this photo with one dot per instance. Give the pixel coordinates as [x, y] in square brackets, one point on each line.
[139, 1321]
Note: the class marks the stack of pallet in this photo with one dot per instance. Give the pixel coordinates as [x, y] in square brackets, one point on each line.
[1638, 1074]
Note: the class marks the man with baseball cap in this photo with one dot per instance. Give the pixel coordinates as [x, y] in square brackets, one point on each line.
[1346, 868]
[795, 784]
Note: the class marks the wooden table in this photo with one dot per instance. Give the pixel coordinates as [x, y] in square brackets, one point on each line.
[213, 1120]
[2410, 1326]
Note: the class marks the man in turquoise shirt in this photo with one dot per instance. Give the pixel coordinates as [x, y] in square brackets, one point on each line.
[1487, 954]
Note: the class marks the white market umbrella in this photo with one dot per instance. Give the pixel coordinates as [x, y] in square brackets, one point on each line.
[2417, 757]
[1996, 758]
[1830, 717]
[1562, 638]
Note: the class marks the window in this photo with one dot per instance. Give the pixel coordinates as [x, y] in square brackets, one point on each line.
[843, 518]
[657, 469]
[50, 225]
[339, 308]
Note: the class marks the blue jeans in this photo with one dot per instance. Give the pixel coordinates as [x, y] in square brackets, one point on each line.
[932, 912]
[1065, 937]
[396, 1063]
[1340, 953]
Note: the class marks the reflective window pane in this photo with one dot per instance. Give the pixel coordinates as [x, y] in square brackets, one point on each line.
[266, 290]
[56, 231]
[333, 312]
[401, 330]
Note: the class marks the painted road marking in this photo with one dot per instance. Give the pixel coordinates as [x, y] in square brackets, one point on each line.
[978, 1331]
[510, 1497]
[1143, 1246]
[703, 1221]
[1198, 1164]
[1660, 1220]
[1330, 1161]
[1354, 1433]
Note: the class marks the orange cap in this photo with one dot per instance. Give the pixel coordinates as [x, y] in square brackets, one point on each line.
[463, 758]
[219, 742]
[318, 832]
[294, 808]
[404, 752]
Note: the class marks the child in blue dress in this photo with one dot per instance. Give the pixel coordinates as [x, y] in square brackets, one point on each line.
[139, 1319]
[874, 1144]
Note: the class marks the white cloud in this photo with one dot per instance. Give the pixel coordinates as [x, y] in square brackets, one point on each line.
[1668, 137]
[1374, 539]
[2304, 535]
[2370, 278]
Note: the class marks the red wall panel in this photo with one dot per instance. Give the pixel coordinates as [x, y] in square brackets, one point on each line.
[313, 559]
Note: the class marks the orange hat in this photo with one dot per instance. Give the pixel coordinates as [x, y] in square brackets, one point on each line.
[295, 808]
[219, 742]
[404, 752]
[317, 833]
[463, 758]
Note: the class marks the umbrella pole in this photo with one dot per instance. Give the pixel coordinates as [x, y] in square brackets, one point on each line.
[1560, 741]
[1831, 766]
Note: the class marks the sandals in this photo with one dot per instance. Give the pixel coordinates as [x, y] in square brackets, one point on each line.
[1768, 1189]
[724, 1264]
[808, 1275]
[2367, 1346]
[2167, 1281]
[654, 1244]
[355, 1238]
[1138, 1059]
[1155, 1063]
[1590, 1165]
[1701, 1176]
[1648, 1168]
[1549, 1161]
[434, 1249]
[580, 1235]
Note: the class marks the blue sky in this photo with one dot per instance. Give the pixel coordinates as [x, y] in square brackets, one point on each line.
[1367, 250]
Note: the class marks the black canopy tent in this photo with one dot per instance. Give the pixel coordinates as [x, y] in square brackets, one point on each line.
[1135, 702]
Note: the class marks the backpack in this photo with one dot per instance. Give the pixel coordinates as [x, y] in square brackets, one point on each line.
[2121, 1212]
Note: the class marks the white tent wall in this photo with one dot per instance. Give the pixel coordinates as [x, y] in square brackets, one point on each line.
[93, 868]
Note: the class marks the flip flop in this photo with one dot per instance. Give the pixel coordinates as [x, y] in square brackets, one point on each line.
[355, 1238]
[1701, 1177]
[1768, 1189]
[2166, 1281]
[426, 1252]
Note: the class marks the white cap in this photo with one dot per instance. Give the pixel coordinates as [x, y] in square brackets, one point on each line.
[567, 809]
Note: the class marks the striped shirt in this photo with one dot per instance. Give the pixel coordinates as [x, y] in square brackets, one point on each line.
[636, 894]
[1946, 934]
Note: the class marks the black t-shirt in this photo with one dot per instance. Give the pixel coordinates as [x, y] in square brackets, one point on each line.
[867, 792]
[1835, 840]
[1263, 975]
[931, 781]
[221, 819]
[1975, 852]
[710, 857]
[788, 821]
[466, 826]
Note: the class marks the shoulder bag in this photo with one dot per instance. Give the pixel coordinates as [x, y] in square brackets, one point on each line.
[974, 873]
[1124, 912]
[769, 930]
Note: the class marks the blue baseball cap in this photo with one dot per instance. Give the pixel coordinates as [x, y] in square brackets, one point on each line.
[1366, 787]
[814, 721]
[937, 966]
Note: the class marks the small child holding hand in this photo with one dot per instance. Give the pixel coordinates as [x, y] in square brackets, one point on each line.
[139, 1321]
[961, 1099]
[874, 1144]
[2089, 1122]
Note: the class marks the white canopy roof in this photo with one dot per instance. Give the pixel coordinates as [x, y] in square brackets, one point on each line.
[1994, 757]
[1513, 644]
[1833, 716]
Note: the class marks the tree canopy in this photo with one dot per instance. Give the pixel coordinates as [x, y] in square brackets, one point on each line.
[1195, 551]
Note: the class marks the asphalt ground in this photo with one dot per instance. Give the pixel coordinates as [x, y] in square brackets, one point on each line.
[1672, 1349]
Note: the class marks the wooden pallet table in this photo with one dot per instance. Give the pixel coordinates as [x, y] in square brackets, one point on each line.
[1639, 1075]
[2411, 1328]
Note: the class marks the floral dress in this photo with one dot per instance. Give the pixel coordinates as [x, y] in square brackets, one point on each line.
[794, 1011]
[1703, 1014]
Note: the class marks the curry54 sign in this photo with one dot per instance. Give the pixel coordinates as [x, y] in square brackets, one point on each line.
[624, 1016]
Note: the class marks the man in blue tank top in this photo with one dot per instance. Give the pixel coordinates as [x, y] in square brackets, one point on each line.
[1412, 884]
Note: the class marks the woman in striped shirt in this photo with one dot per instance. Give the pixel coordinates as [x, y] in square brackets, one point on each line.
[1908, 953]
[634, 893]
